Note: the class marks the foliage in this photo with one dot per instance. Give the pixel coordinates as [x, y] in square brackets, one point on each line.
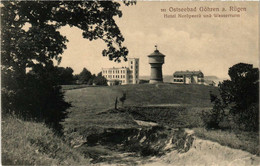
[38, 97]
[100, 80]
[143, 81]
[31, 41]
[240, 96]
[99, 74]
[117, 82]
[84, 76]
[213, 118]
[241, 93]
[65, 75]
[242, 89]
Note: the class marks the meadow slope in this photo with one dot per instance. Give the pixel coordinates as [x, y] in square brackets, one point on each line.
[171, 105]
[31, 143]
[89, 103]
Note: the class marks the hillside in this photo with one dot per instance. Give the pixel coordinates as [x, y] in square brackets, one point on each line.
[90, 114]
[31, 143]
[150, 128]
[142, 94]
[89, 103]
[127, 135]
[168, 78]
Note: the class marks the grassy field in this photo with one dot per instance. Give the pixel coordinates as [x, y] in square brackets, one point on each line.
[70, 87]
[89, 104]
[92, 115]
[30, 143]
[167, 104]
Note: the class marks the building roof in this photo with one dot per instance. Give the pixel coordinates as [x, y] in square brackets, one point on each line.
[156, 53]
[187, 72]
[115, 68]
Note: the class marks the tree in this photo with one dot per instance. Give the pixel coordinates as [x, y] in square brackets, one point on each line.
[100, 80]
[65, 75]
[240, 95]
[213, 118]
[76, 78]
[31, 41]
[242, 88]
[84, 76]
[99, 74]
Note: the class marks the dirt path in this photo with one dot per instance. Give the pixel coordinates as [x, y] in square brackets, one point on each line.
[204, 152]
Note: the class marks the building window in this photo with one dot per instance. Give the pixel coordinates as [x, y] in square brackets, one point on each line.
[131, 62]
[131, 67]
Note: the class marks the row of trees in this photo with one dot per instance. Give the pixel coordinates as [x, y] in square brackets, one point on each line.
[239, 99]
[85, 77]
[65, 77]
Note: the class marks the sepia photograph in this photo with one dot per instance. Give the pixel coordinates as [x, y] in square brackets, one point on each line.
[129, 82]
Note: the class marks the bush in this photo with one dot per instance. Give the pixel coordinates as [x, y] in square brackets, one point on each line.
[249, 119]
[213, 118]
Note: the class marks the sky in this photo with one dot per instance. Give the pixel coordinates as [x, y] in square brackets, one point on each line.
[211, 45]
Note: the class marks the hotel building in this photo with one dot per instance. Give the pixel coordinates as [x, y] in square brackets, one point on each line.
[123, 75]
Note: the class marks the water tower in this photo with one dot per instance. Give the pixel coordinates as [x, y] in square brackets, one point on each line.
[156, 60]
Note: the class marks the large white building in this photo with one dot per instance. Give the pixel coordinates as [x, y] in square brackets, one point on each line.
[188, 77]
[123, 75]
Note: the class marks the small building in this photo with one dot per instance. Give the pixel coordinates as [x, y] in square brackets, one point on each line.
[188, 77]
[123, 75]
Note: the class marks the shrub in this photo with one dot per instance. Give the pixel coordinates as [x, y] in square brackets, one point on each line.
[249, 119]
[213, 118]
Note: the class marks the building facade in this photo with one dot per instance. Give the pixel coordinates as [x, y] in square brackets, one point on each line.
[188, 77]
[123, 75]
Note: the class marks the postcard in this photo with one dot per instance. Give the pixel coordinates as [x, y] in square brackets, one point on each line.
[130, 83]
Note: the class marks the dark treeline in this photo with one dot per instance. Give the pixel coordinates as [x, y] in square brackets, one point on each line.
[65, 77]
